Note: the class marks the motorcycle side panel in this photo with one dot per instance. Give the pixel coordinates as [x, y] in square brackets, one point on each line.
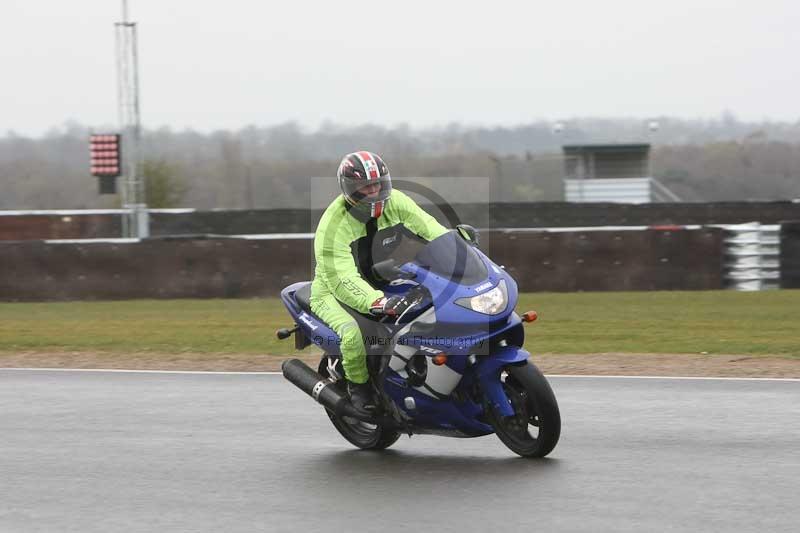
[440, 380]
[431, 413]
[316, 330]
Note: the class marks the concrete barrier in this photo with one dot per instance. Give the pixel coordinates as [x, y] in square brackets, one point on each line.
[790, 255]
[612, 260]
[155, 268]
[59, 225]
[242, 268]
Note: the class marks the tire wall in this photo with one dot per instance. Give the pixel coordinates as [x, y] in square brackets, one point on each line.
[240, 268]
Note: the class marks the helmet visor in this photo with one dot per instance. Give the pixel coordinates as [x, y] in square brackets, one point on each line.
[367, 191]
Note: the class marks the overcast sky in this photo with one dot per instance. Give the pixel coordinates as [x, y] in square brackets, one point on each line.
[227, 64]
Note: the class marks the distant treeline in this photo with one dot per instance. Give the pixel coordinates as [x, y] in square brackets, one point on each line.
[262, 167]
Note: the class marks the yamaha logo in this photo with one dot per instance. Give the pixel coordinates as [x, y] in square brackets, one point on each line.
[483, 286]
[305, 319]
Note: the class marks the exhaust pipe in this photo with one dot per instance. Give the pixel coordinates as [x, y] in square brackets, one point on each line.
[319, 388]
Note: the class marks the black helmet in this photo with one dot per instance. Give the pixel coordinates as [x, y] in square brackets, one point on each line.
[357, 172]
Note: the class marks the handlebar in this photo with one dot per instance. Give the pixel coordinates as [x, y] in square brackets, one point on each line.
[416, 296]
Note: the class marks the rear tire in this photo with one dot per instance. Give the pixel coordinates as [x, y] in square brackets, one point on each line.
[358, 433]
[535, 427]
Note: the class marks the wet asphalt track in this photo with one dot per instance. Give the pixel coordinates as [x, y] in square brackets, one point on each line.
[94, 451]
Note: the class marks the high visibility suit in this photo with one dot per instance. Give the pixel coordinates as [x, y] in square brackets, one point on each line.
[342, 248]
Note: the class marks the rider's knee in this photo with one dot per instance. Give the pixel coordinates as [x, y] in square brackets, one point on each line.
[351, 338]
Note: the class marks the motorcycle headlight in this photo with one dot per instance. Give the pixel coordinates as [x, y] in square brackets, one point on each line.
[490, 302]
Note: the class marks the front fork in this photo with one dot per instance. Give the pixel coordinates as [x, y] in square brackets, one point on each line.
[487, 373]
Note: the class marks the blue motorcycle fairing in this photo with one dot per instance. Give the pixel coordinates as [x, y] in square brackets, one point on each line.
[431, 413]
[459, 348]
[444, 293]
[316, 330]
[287, 295]
[459, 331]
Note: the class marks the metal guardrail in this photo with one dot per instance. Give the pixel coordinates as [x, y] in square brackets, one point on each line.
[752, 256]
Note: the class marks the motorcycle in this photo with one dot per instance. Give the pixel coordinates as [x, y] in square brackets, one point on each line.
[452, 364]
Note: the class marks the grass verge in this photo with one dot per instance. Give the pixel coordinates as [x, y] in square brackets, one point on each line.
[714, 322]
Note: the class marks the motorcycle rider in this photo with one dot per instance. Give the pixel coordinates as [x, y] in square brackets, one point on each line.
[343, 246]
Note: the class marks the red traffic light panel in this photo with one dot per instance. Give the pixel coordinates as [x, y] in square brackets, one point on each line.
[105, 152]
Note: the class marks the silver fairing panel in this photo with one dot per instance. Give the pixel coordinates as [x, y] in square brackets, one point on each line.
[440, 379]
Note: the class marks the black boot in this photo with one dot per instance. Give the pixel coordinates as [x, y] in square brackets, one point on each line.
[361, 396]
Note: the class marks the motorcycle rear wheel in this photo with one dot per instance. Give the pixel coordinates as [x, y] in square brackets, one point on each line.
[535, 410]
[359, 433]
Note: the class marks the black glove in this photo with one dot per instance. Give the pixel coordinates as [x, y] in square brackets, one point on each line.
[391, 306]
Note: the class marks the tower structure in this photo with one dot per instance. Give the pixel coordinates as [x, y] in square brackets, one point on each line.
[135, 221]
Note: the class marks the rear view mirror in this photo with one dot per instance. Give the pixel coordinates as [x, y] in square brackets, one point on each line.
[468, 233]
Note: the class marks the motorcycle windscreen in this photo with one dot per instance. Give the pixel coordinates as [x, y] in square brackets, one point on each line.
[451, 257]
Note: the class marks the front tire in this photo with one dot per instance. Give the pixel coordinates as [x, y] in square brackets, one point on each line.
[359, 433]
[535, 427]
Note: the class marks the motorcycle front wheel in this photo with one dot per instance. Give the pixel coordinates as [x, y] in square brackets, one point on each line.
[359, 433]
[534, 428]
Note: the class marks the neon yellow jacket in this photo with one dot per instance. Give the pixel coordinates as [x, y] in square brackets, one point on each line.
[336, 271]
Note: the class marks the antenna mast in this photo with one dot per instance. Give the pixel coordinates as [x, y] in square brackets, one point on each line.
[135, 221]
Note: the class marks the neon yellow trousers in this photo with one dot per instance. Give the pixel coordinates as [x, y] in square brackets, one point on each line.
[354, 354]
